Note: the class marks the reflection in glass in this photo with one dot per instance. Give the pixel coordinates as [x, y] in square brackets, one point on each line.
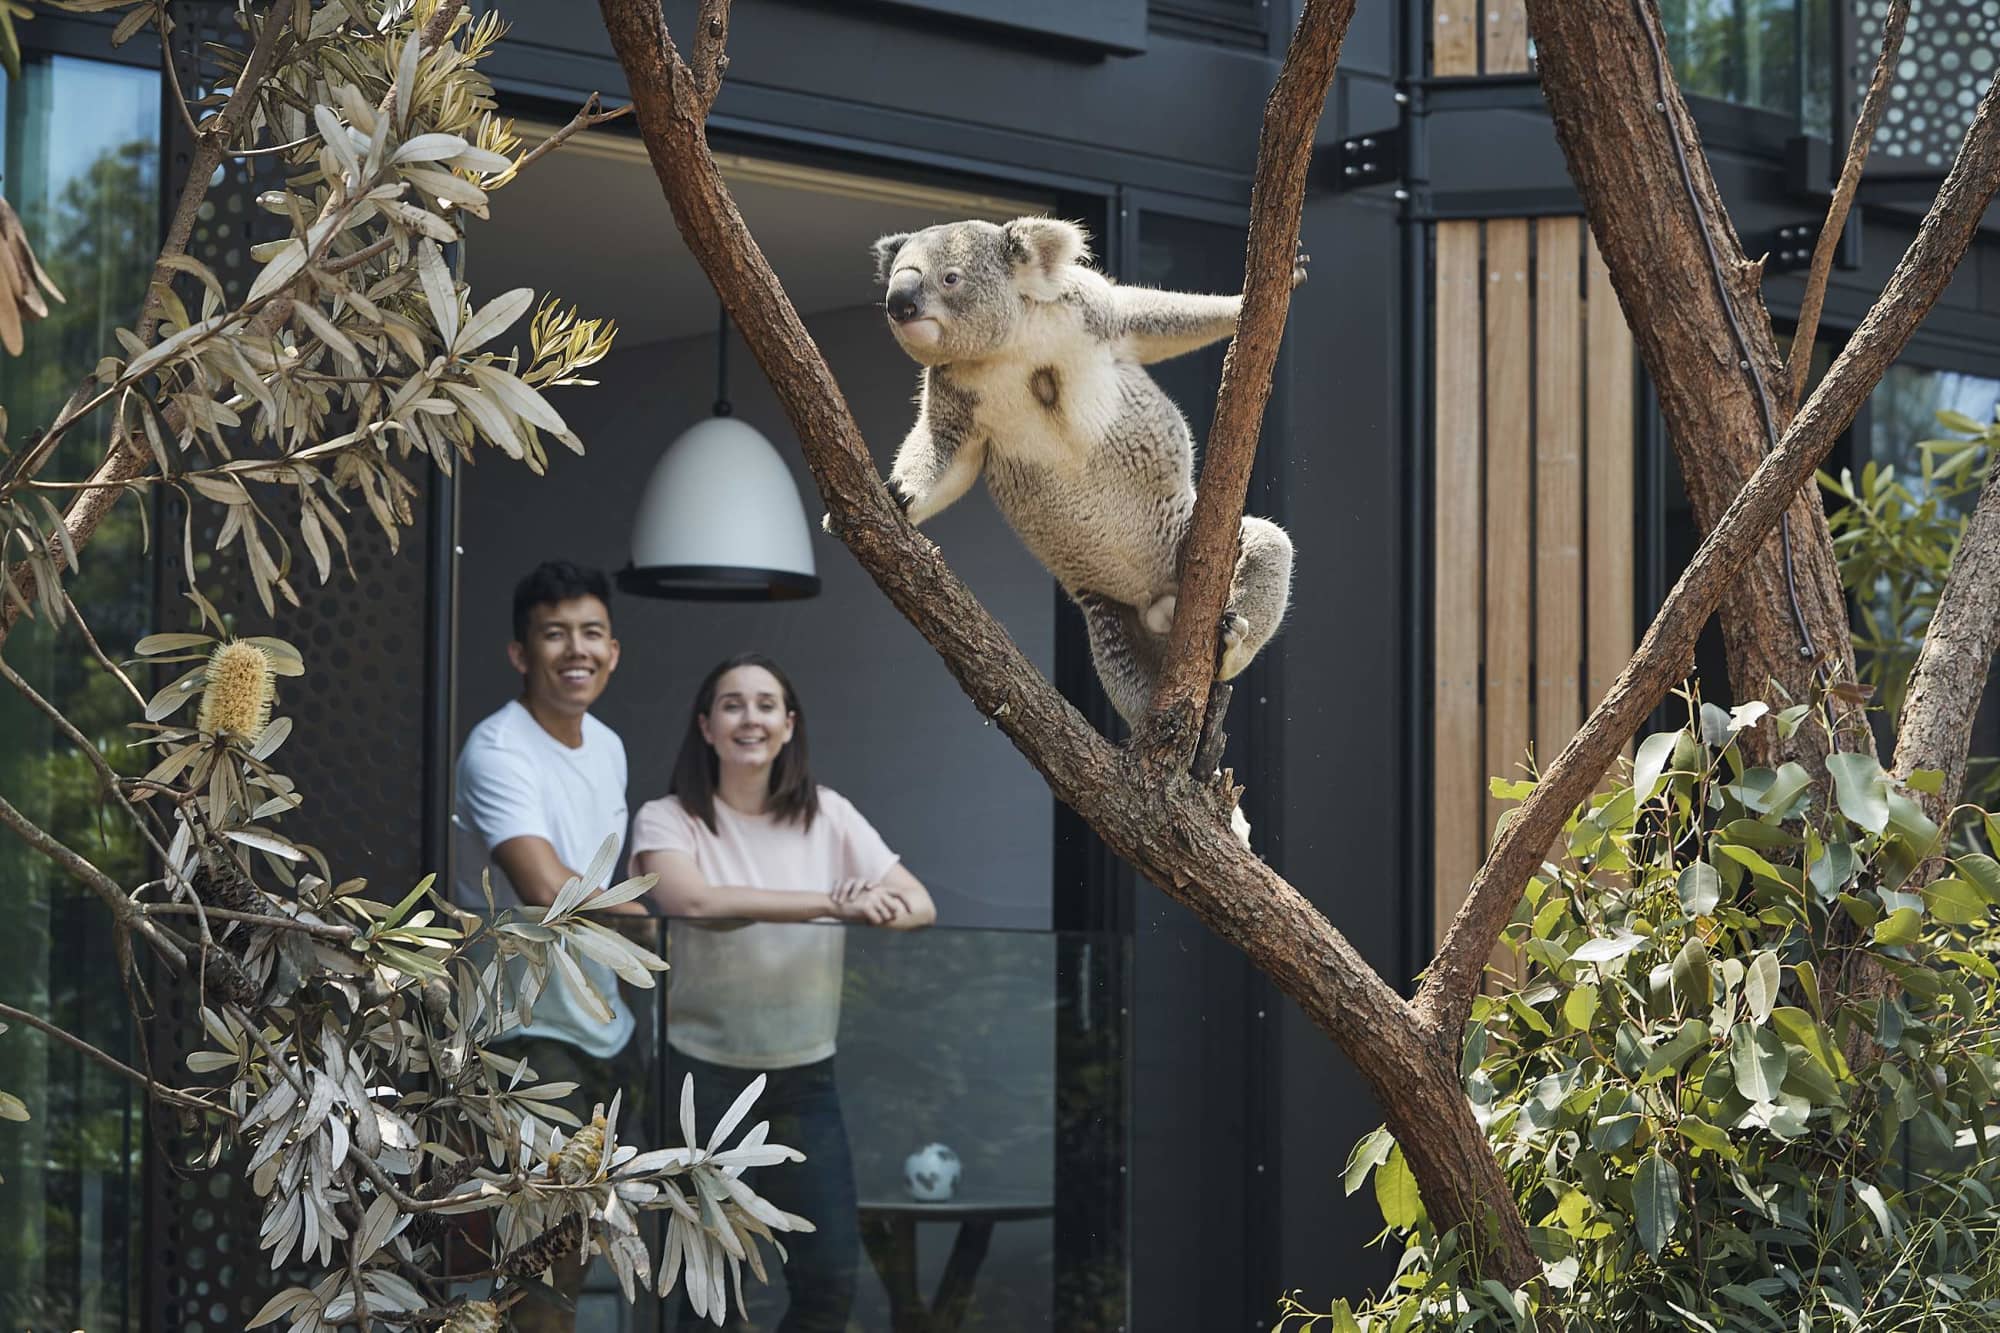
[1749, 52]
[81, 147]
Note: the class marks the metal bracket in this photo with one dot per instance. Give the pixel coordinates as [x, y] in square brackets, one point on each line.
[1789, 248]
[1375, 158]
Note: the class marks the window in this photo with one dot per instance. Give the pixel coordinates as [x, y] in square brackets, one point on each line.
[1768, 54]
[81, 150]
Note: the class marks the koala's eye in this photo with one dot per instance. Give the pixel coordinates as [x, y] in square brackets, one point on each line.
[951, 277]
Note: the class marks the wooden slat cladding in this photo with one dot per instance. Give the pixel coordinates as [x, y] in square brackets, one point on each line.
[1458, 772]
[1455, 36]
[1468, 38]
[1533, 514]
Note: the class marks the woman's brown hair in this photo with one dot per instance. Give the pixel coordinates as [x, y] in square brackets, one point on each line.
[794, 796]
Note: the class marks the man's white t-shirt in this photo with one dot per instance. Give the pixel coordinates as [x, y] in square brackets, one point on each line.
[765, 995]
[515, 781]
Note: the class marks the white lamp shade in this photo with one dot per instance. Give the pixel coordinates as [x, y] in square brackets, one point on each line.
[721, 520]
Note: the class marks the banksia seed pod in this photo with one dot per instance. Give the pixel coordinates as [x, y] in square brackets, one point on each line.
[236, 701]
[427, 1227]
[576, 1161]
[220, 881]
[223, 978]
[473, 1317]
[538, 1255]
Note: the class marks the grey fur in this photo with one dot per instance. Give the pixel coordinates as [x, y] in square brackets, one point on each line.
[1034, 376]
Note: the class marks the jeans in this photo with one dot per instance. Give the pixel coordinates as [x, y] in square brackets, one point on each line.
[803, 1106]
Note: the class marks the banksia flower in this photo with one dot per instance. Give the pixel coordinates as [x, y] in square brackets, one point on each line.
[236, 701]
[19, 277]
[538, 1255]
[473, 1317]
[576, 1161]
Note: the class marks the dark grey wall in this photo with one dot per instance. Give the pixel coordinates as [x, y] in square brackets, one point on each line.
[889, 728]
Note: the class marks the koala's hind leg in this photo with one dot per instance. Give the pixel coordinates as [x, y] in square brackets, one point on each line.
[1258, 594]
[1127, 658]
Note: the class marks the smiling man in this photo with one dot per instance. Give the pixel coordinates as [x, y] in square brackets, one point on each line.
[541, 785]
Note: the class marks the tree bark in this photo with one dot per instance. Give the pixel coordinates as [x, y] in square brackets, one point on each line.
[1935, 730]
[1626, 133]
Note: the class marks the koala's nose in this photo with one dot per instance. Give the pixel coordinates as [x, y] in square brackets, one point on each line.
[902, 302]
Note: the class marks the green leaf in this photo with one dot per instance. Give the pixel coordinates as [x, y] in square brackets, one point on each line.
[1954, 902]
[1580, 1007]
[1651, 762]
[1862, 789]
[1700, 1134]
[1871, 1199]
[1656, 1202]
[1901, 926]
[1984, 872]
[1806, 1077]
[1757, 1057]
[1503, 790]
[1667, 1056]
[1764, 837]
[1929, 781]
[1607, 948]
[1371, 1152]
[1808, 976]
[1396, 1192]
[1785, 789]
[12, 1107]
[1760, 985]
[1691, 975]
[1789, 719]
[1700, 888]
[1834, 869]
[1908, 818]
[1749, 859]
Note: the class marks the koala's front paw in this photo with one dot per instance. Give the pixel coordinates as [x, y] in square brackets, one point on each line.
[903, 498]
[1299, 263]
[1239, 824]
[1236, 648]
[826, 524]
[1159, 617]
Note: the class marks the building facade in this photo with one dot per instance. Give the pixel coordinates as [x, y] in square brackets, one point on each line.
[1459, 440]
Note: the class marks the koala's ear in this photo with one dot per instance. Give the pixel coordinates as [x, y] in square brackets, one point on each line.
[885, 250]
[1044, 247]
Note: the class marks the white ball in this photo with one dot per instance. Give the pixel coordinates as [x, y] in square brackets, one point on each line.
[931, 1173]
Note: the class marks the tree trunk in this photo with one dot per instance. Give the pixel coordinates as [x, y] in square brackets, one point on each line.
[1935, 730]
[1660, 223]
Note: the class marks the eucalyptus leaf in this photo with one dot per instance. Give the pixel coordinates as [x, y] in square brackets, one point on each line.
[1656, 1201]
[1861, 788]
[1757, 1057]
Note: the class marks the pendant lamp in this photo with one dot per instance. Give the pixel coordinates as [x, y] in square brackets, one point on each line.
[720, 519]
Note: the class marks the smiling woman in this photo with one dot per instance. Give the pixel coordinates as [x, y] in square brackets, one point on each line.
[84, 183]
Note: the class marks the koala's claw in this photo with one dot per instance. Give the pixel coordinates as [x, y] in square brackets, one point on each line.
[1236, 649]
[902, 497]
[1299, 263]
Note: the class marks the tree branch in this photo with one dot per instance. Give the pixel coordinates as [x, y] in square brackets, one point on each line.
[1667, 651]
[117, 1066]
[1935, 730]
[122, 462]
[1170, 826]
[83, 872]
[711, 56]
[1208, 552]
[1893, 25]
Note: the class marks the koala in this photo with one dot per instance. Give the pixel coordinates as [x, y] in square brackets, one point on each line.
[1035, 378]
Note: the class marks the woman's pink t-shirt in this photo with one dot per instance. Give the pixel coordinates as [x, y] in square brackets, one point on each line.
[764, 995]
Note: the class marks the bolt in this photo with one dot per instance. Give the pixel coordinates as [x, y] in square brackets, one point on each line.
[1402, 194]
[1367, 143]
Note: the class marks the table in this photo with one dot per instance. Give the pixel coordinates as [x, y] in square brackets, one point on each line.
[889, 1230]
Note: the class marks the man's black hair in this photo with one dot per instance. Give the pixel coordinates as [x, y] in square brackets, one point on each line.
[555, 581]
